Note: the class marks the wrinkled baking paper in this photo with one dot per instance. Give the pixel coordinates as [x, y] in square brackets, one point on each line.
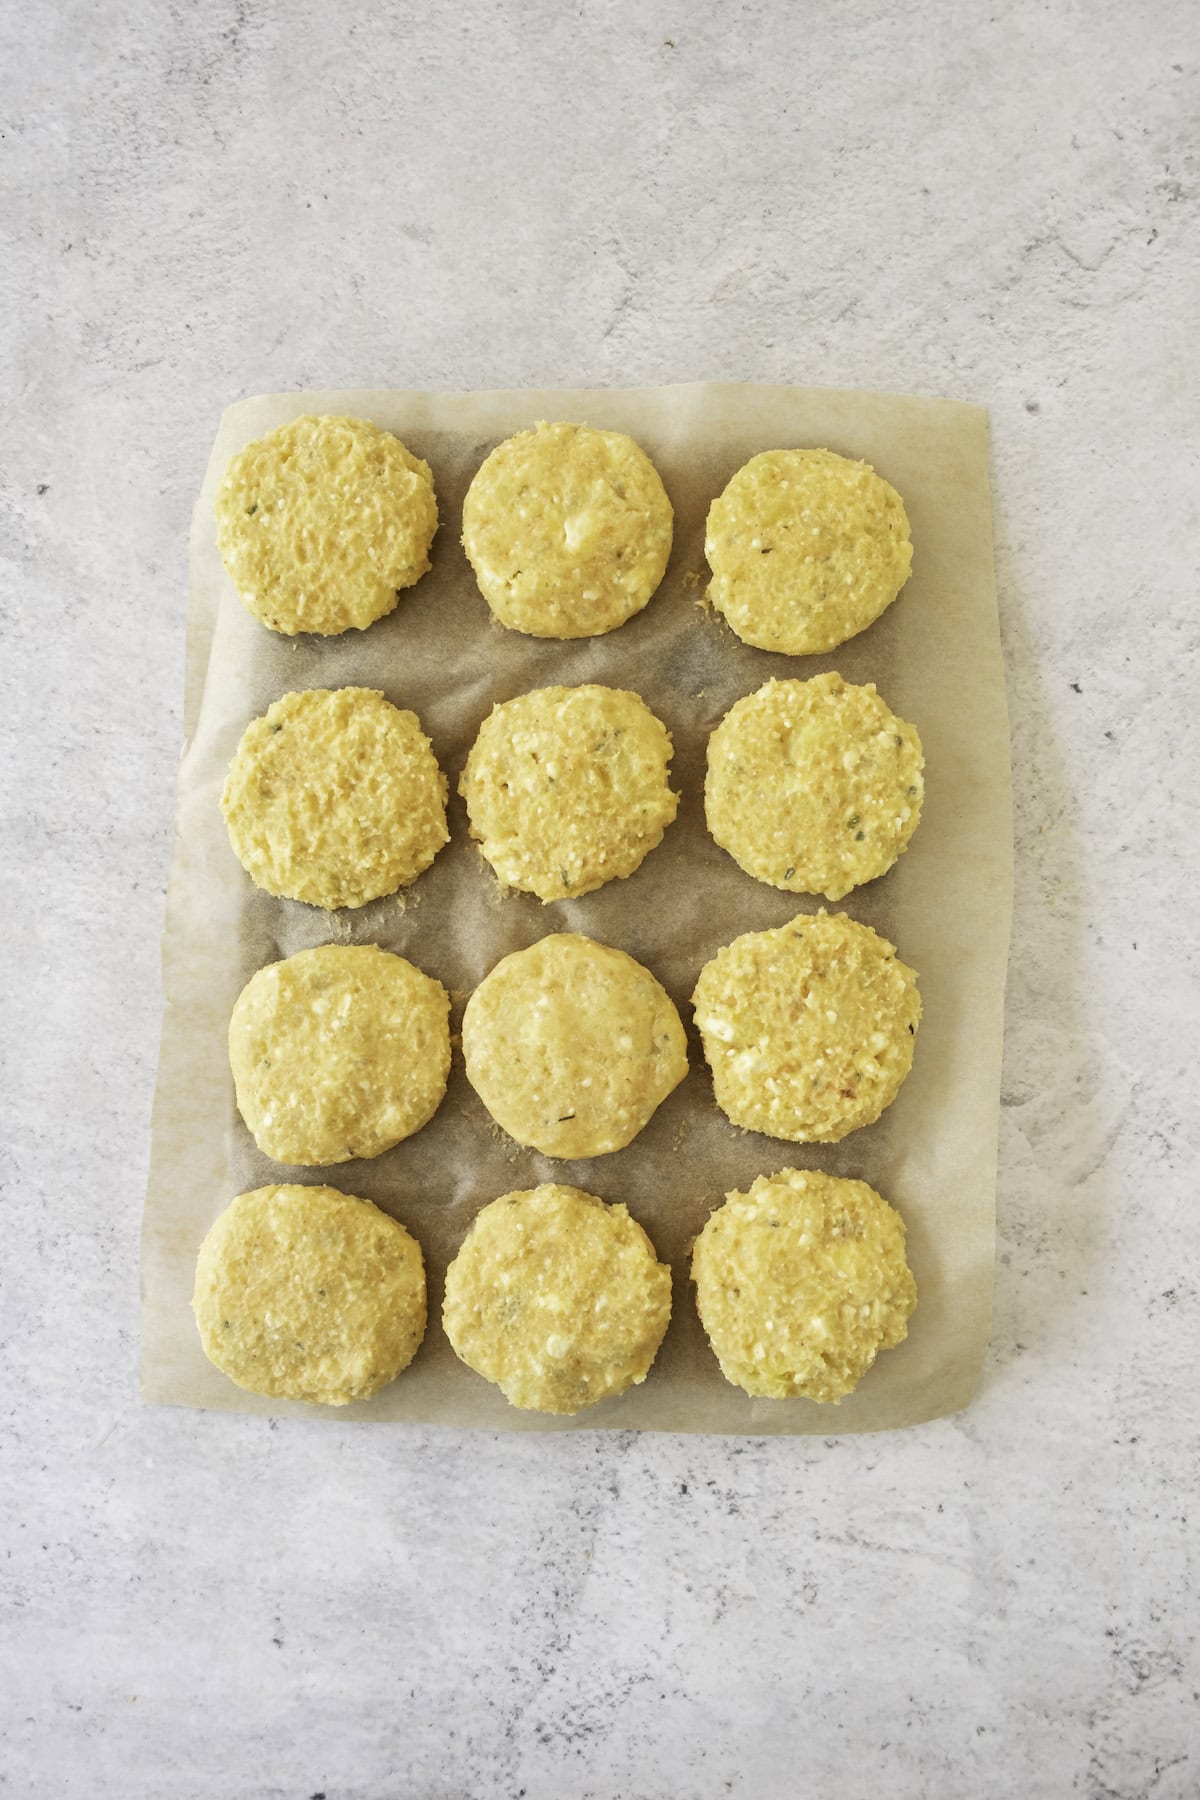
[935, 656]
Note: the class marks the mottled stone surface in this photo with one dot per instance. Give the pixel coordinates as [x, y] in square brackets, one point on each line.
[210, 199]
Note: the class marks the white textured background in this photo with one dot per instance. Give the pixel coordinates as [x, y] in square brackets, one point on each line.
[209, 199]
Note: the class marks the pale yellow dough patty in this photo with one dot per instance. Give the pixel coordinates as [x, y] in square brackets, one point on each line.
[808, 1029]
[568, 530]
[566, 788]
[814, 786]
[806, 549]
[572, 1045]
[307, 1293]
[338, 1052]
[334, 797]
[321, 523]
[801, 1282]
[557, 1298]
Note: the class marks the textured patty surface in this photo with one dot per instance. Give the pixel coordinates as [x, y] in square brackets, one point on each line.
[557, 1298]
[806, 549]
[808, 1029]
[814, 786]
[567, 788]
[334, 796]
[572, 1045]
[568, 530]
[322, 521]
[338, 1052]
[307, 1293]
[801, 1282]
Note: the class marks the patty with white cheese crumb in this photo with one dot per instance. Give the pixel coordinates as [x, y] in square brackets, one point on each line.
[307, 1293]
[806, 549]
[558, 1298]
[322, 522]
[801, 1282]
[808, 1029]
[338, 1052]
[568, 530]
[814, 786]
[567, 788]
[572, 1046]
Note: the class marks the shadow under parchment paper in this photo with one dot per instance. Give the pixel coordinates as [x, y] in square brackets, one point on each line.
[936, 658]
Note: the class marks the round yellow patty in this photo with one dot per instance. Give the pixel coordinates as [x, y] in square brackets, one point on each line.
[334, 797]
[568, 530]
[309, 1294]
[338, 1052]
[808, 1029]
[806, 548]
[566, 788]
[322, 521]
[557, 1298]
[813, 786]
[801, 1282]
[572, 1045]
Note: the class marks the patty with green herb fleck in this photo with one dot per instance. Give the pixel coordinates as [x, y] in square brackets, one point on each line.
[558, 1298]
[801, 1282]
[572, 1046]
[808, 1029]
[334, 797]
[568, 530]
[338, 1052]
[567, 788]
[814, 786]
[322, 522]
[306, 1293]
[806, 549]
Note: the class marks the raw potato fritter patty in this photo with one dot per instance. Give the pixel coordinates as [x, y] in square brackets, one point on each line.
[309, 1294]
[806, 549]
[808, 1029]
[568, 530]
[322, 521]
[572, 1045]
[566, 788]
[337, 1052]
[814, 786]
[334, 797]
[801, 1282]
[557, 1298]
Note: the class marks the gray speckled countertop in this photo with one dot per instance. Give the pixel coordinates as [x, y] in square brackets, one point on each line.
[205, 200]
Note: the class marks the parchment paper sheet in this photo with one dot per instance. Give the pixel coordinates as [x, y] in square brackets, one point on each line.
[936, 658]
